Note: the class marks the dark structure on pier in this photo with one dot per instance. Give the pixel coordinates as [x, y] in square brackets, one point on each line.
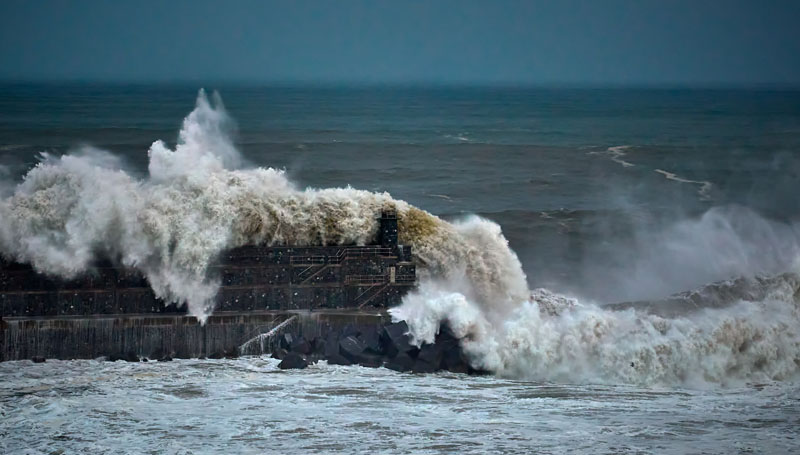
[257, 283]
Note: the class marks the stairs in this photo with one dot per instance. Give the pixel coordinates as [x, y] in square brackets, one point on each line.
[370, 294]
[305, 280]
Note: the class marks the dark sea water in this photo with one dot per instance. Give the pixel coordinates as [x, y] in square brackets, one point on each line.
[605, 195]
[576, 178]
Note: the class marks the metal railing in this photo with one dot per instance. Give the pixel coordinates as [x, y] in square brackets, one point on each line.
[405, 278]
[341, 255]
[368, 252]
[366, 280]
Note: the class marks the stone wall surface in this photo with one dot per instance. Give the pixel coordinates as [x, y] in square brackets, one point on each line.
[165, 336]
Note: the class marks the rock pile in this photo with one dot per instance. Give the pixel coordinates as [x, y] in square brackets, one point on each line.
[387, 346]
[377, 346]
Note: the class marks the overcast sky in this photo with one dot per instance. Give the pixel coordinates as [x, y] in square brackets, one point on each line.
[601, 42]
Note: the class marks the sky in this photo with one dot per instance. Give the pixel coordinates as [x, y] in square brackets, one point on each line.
[601, 42]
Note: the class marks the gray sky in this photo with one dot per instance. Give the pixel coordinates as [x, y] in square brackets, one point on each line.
[600, 42]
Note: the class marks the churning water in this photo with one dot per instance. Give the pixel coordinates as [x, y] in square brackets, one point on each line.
[529, 213]
[250, 406]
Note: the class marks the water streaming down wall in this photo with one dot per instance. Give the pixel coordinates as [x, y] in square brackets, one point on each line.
[159, 336]
[113, 310]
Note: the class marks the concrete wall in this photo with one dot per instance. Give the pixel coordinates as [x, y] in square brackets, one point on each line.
[252, 279]
[156, 336]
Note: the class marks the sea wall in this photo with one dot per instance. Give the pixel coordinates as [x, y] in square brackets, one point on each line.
[157, 336]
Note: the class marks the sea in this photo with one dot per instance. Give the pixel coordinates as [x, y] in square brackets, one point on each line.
[606, 196]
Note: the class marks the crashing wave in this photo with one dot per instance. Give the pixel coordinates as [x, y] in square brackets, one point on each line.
[197, 202]
[552, 337]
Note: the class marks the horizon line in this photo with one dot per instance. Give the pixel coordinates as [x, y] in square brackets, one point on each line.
[367, 84]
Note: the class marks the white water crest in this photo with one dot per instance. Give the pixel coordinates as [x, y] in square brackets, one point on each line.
[746, 341]
[727, 333]
[732, 332]
[198, 201]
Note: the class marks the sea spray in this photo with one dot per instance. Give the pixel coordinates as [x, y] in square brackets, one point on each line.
[730, 332]
[683, 251]
[555, 338]
[198, 201]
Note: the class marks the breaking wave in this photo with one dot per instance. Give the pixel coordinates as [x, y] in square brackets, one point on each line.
[729, 332]
[555, 338]
[199, 199]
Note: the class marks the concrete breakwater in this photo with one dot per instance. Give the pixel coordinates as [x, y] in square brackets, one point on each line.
[158, 336]
[298, 338]
[113, 310]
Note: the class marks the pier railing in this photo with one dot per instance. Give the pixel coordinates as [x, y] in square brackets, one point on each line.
[365, 280]
[369, 280]
[342, 255]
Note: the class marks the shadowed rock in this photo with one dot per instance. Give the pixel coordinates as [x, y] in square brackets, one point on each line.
[396, 339]
[352, 348]
[454, 360]
[279, 353]
[370, 360]
[331, 345]
[401, 362]
[421, 366]
[431, 354]
[372, 340]
[128, 357]
[293, 360]
[338, 359]
[318, 347]
[285, 341]
[300, 345]
[349, 330]
[388, 346]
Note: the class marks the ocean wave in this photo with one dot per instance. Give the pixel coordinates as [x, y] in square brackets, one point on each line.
[704, 189]
[740, 330]
[616, 154]
[199, 200]
[556, 338]
[12, 147]
[460, 137]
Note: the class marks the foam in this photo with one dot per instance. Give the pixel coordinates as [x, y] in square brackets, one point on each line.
[198, 200]
[555, 338]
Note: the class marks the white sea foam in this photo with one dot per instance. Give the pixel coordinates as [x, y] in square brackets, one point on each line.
[736, 335]
[704, 189]
[748, 330]
[198, 201]
[616, 154]
[551, 337]
[250, 406]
